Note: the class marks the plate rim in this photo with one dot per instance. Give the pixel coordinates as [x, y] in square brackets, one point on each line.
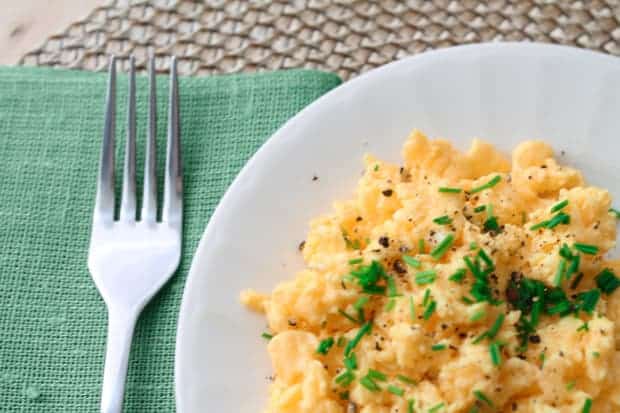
[281, 132]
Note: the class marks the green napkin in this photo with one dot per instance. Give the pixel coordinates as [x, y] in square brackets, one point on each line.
[52, 320]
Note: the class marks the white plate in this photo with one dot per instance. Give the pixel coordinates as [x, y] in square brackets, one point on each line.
[503, 93]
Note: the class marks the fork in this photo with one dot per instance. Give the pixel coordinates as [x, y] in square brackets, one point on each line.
[130, 259]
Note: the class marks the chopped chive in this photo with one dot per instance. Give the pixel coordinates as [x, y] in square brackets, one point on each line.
[425, 277]
[365, 329]
[446, 189]
[584, 327]
[376, 168]
[369, 384]
[442, 247]
[430, 309]
[341, 341]
[442, 220]
[467, 300]
[542, 359]
[344, 395]
[480, 338]
[576, 281]
[480, 208]
[473, 246]
[391, 287]
[559, 274]
[354, 261]
[412, 262]
[542, 224]
[347, 316]
[589, 299]
[559, 205]
[557, 219]
[267, 336]
[325, 345]
[571, 385]
[439, 347]
[586, 248]
[496, 326]
[395, 390]
[361, 302]
[566, 252]
[376, 375]
[350, 362]
[427, 296]
[345, 378]
[573, 268]
[486, 258]
[494, 181]
[389, 306]
[615, 212]
[458, 275]
[596, 354]
[436, 408]
[483, 397]
[536, 309]
[406, 380]
[587, 406]
[410, 404]
[478, 315]
[411, 309]
[421, 245]
[496, 356]
[607, 281]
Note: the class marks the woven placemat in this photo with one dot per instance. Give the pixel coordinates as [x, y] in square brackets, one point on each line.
[347, 37]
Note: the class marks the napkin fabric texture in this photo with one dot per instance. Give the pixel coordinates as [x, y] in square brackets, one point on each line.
[52, 319]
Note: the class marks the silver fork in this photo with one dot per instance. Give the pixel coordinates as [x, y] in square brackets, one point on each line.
[130, 260]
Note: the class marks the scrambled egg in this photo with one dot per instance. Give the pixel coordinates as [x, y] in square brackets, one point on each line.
[458, 282]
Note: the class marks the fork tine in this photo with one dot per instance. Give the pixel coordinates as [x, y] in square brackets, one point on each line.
[149, 199]
[173, 184]
[128, 200]
[104, 201]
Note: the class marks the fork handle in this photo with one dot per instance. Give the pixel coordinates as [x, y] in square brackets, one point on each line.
[120, 332]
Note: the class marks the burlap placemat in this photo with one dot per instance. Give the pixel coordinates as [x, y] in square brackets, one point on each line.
[347, 37]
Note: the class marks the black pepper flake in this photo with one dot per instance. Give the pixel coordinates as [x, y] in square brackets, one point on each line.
[315, 178]
[543, 166]
[358, 219]
[292, 322]
[535, 339]
[399, 267]
[463, 336]
[378, 346]
[387, 192]
[444, 326]
[384, 242]
[301, 246]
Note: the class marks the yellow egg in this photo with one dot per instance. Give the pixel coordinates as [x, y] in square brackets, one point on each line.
[415, 293]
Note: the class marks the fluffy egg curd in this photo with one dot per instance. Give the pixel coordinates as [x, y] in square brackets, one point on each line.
[457, 282]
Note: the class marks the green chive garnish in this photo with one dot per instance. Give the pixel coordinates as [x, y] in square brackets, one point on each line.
[376, 375]
[458, 275]
[483, 397]
[391, 287]
[412, 262]
[390, 304]
[559, 218]
[478, 315]
[361, 302]
[571, 385]
[345, 378]
[410, 404]
[488, 185]
[586, 248]
[480, 208]
[596, 354]
[369, 384]
[325, 345]
[406, 380]
[584, 327]
[267, 336]
[411, 309]
[429, 310]
[588, 300]
[496, 356]
[427, 297]
[442, 220]
[395, 390]
[365, 329]
[376, 168]
[559, 205]
[439, 347]
[559, 274]
[615, 212]
[587, 406]
[356, 261]
[425, 277]
[347, 316]
[446, 189]
[341, 341]
[350, 362]
[607, 281]
[442, 247]
[436, 408]
[421, 245]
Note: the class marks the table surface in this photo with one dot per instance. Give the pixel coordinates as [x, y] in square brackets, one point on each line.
[25, 24]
